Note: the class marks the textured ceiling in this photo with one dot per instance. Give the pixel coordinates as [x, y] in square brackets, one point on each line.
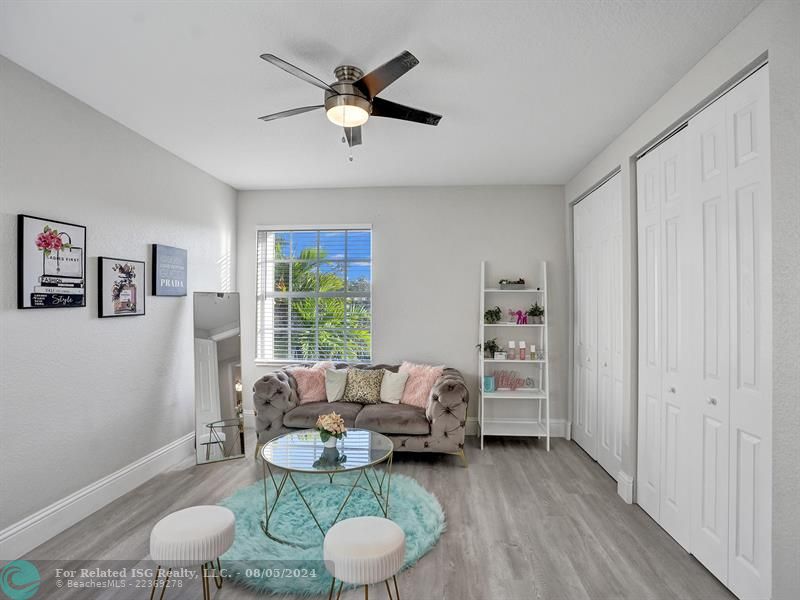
[530, 91]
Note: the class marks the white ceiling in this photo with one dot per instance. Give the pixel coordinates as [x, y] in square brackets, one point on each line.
[530, 91]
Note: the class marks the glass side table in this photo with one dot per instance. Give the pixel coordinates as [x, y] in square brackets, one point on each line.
[304, 452]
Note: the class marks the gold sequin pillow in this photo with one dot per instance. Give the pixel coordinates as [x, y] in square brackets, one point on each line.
[363, 386]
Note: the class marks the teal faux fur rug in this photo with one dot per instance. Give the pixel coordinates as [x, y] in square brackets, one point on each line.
[259, 563]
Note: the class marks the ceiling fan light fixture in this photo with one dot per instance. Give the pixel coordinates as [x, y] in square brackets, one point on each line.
[344, 115]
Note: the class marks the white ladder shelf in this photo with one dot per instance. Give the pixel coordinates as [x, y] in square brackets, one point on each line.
[523, 411]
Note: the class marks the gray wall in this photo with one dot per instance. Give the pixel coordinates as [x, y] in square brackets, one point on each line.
[81, 397]
[427, 248]
[773, 27]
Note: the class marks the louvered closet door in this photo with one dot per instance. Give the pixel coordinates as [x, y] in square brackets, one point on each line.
[750, 225]
[649, 194]
[708, 217]
[585, 328]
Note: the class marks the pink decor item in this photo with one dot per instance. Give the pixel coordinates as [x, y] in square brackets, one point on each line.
[507, 380]
[522, 318]
[311, 382]
[420, 382]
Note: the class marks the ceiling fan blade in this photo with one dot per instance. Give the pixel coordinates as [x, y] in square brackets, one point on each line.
[379, 79]
[290, 113]
[353, 135]
[392, 110]
[297, 72]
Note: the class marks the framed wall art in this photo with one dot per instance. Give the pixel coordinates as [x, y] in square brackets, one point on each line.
[51, 263]
[121, 287]
[169, 271]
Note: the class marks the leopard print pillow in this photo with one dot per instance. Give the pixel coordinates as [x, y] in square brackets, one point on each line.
[363, 386]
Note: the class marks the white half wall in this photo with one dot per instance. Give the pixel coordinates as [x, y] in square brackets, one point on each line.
[427, 247]
[82, 397]
[772, 27]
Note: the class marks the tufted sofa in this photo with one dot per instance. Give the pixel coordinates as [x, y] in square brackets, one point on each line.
[439, 427]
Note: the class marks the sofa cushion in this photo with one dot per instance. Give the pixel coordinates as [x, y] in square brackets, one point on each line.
[305, 416]
[363, 386]
[421, 379]
[310, 381]
[393, 418]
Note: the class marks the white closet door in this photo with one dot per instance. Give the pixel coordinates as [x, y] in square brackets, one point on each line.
[608, 249]
[649, 193]
[585, 328]
[708, 217]
[674, 508]
[750, 503]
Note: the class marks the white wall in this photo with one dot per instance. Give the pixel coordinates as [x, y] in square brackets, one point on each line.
[81, 397]
[427, 248]
[773, 27]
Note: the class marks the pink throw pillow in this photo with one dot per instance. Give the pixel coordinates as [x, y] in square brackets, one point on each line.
[311, 382]
[421, 379]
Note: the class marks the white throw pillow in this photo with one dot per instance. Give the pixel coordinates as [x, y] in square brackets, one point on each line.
[335, 382]
[392, 386]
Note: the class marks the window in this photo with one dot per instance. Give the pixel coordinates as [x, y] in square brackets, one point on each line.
[314, 291]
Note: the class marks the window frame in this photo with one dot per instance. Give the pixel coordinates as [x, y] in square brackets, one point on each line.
[341, 294]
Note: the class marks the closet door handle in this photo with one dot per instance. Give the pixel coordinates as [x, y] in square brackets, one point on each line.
[605, 364]
[671, 390]
[712, 401]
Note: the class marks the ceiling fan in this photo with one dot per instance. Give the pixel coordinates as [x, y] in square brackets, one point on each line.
[353, 97]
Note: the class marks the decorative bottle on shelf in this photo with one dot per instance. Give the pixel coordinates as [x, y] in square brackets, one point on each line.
[533, 352]
[512, 350]
[522, 354]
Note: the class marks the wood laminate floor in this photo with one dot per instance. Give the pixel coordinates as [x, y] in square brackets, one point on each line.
[521, 524]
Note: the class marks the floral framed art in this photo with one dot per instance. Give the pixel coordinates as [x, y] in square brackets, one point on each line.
[121, 287]
[51, 263]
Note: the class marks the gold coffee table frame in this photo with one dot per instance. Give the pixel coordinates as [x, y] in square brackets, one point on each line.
[366, 471]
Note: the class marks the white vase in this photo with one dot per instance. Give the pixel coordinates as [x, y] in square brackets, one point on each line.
[330, 442]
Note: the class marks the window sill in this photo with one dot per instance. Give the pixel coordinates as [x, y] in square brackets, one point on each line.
[283, 363]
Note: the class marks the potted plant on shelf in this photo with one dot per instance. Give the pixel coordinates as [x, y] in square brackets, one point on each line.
[331, 428]
[490, 347]
[507, 284]
[536, 312]
[493, 315]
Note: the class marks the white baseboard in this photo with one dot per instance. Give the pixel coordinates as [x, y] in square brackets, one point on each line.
[625, 487]
[25, 535]
[558, 427]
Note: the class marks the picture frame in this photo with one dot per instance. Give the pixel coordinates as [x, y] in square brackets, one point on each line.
[51, 263]
[121, 287]
[169, 271]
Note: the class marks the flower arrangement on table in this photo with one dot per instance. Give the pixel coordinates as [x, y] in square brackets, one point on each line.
[331, 428]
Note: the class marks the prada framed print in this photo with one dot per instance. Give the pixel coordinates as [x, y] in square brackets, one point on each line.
[51, 263]
[121, 287]
[169, 271]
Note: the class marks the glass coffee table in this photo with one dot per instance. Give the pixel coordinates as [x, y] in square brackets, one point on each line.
[303, 452]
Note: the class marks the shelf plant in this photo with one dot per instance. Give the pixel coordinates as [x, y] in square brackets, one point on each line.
[490, 347]
[493, 315]
[536, 312]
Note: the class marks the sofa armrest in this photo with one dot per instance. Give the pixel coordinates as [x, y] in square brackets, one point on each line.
[447, 407]
[273, 396]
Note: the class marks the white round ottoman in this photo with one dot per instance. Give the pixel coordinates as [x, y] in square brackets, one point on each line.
[364, 550]
[193, 536]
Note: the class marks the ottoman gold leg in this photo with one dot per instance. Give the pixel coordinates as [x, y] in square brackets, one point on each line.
[217, 574]
[206, 592]
[156, 577]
